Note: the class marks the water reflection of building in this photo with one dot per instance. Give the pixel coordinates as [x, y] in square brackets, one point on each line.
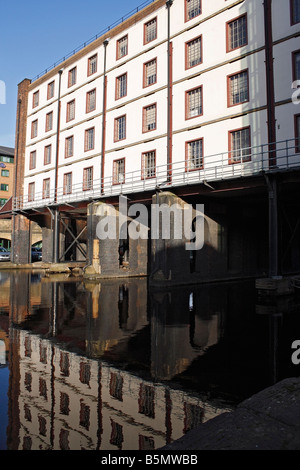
[68, 401]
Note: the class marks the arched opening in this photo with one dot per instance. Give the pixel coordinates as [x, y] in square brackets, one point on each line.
[5, 243]
[36, 251]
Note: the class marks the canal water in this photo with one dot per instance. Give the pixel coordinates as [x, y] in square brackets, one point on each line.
[117, 365]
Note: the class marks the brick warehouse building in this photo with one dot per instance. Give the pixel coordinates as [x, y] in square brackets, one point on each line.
[186, 101]
[6, 174]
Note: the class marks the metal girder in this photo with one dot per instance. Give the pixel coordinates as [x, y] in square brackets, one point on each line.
[75, 240]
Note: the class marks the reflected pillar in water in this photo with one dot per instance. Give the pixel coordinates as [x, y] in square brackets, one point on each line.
[181, 330]
[20, 301]
[117, 312]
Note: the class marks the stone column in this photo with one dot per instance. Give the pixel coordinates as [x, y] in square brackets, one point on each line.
[110, 255]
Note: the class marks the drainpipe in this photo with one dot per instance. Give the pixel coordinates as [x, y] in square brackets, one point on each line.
[270, 82]
[170, 95]
[272, 184]
[55, 254]
[15, 187]
[105, 43]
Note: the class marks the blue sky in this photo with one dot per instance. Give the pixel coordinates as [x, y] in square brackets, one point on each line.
[35, 34]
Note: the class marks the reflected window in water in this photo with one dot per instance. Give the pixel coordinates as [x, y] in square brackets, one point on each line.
[116, 386]
[64, 364]
[64, 403]
[43, 354]
[27, 346]
[85, 373]
[43, 388]
[146, 443]
[27, 413]
[42, 425]
[116, 437]
[146, 400]
[27, 443]
[28, 381]
[64, 439]
[84, 416]
[193, 416]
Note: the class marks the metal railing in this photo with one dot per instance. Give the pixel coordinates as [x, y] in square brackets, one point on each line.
[216, 167]
[104, 31]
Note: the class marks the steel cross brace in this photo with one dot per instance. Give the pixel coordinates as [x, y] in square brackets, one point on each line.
[74, 241]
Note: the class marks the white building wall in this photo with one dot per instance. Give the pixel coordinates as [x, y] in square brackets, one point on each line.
[217, 119]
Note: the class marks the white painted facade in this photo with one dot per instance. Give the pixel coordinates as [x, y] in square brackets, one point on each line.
[214, 125]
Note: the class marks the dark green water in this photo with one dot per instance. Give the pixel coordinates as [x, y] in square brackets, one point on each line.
[115, 365]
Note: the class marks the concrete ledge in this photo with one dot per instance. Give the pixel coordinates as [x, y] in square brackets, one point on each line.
[270, 420]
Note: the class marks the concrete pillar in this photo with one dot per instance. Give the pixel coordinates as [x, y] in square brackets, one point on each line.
[110, 255]
[172, 260]
[21, 253]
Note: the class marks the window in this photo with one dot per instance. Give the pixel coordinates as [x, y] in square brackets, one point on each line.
[92, 65]
[296, 65]
[121, 86]
[194, 155]
[5, 173]
[34, 129]
[148, 164]
[238, 88]
[119, 171]
[50, 91]
[122, 47]
[71, 110]
[193, 52]
[3, 201]
[150, 31]
[237, 33]
[72, 76]
[31, 191]
[239, 145]
[120, 128]
[194, 103]
[67, 183]
[47, 155]
[297, 133]
[46, 188]
[5, 159]
[149, 118]
[150, 73]
[49, 121]
[91, 101]
[69, 146]
[35, 99]
[192, 9]
[32, 160]
[295, 11]
[4, 187]
[89, 139]
[87, 178]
